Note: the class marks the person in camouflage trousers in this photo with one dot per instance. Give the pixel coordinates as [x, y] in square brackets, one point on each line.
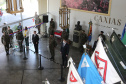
[10, 33]
[83, 40]
[51, 31]
[20, 38]
[5, 39]
[52, 23]
[64, 35]
[4, 29]
[52, 45]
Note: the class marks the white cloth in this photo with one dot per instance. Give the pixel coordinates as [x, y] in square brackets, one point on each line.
[73, 76]
[104, 65]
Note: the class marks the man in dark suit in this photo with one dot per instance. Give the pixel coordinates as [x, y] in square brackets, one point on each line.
[64, 51]
[35, 40]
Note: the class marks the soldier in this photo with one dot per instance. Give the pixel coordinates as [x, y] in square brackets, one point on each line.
[51, 30]
[4, 29]
[83, 39]
[52, 45]
[64, 35]
[5, 39]
[102, 35]
[10, 33]
[89, 50]
[20, 27]
[52, 23]
[39, 25]
[36, 18]
[20, 38]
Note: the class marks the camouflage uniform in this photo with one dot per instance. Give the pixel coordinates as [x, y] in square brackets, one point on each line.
[11, 36]
[52, 23]
[39, 26]
[64, 35]
[83, 39]
[51, 31]
[5, 39]
[52, 45]
[20, 38]
[4, 29]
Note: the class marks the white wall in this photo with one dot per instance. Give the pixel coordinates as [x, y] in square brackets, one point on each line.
[117, 13]
[42, 7]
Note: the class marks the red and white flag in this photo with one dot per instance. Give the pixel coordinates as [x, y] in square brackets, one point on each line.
[73, 76]
[104, 65]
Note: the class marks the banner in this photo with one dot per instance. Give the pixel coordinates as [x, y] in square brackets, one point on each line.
[104, 66]
[88, 71]
[90, 31]
[73, 76]
[1, 13]
[116, 52]
[124, 30]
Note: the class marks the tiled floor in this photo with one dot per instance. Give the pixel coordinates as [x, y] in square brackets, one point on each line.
[15, 70]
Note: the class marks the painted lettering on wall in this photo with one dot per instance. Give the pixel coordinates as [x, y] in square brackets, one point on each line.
[107, 20]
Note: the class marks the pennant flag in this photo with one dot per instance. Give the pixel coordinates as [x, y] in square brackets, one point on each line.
[123, 33]
[33, 19]
[104, 66]
[73, 76]
[124, 39]
[88, 71]
[1, 13]
[90, 31]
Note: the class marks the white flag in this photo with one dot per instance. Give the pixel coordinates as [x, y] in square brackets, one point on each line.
[104, 66]
[73, 76]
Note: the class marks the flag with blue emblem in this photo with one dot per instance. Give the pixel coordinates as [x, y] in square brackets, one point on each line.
[123, 37]
[123, 33]
[88, 71]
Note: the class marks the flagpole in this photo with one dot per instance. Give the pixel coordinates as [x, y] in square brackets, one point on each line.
[84, 46]
[114, 61]
[61, 79]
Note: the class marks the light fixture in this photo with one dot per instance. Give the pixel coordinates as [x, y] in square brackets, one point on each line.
[64, 17]
[14, 6]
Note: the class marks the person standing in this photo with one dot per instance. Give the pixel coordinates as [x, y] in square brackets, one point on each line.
[20, 38]
[51, 31]
[19, 27]
[83, 39]
[35, 40]
[36, 18]
[39, 25]
[4, 29]
[102, 35]
[64, 52]
[26, 37]
[52, 45]
[10, 33]
[52, 23]
[5, 39]
[64, 35]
